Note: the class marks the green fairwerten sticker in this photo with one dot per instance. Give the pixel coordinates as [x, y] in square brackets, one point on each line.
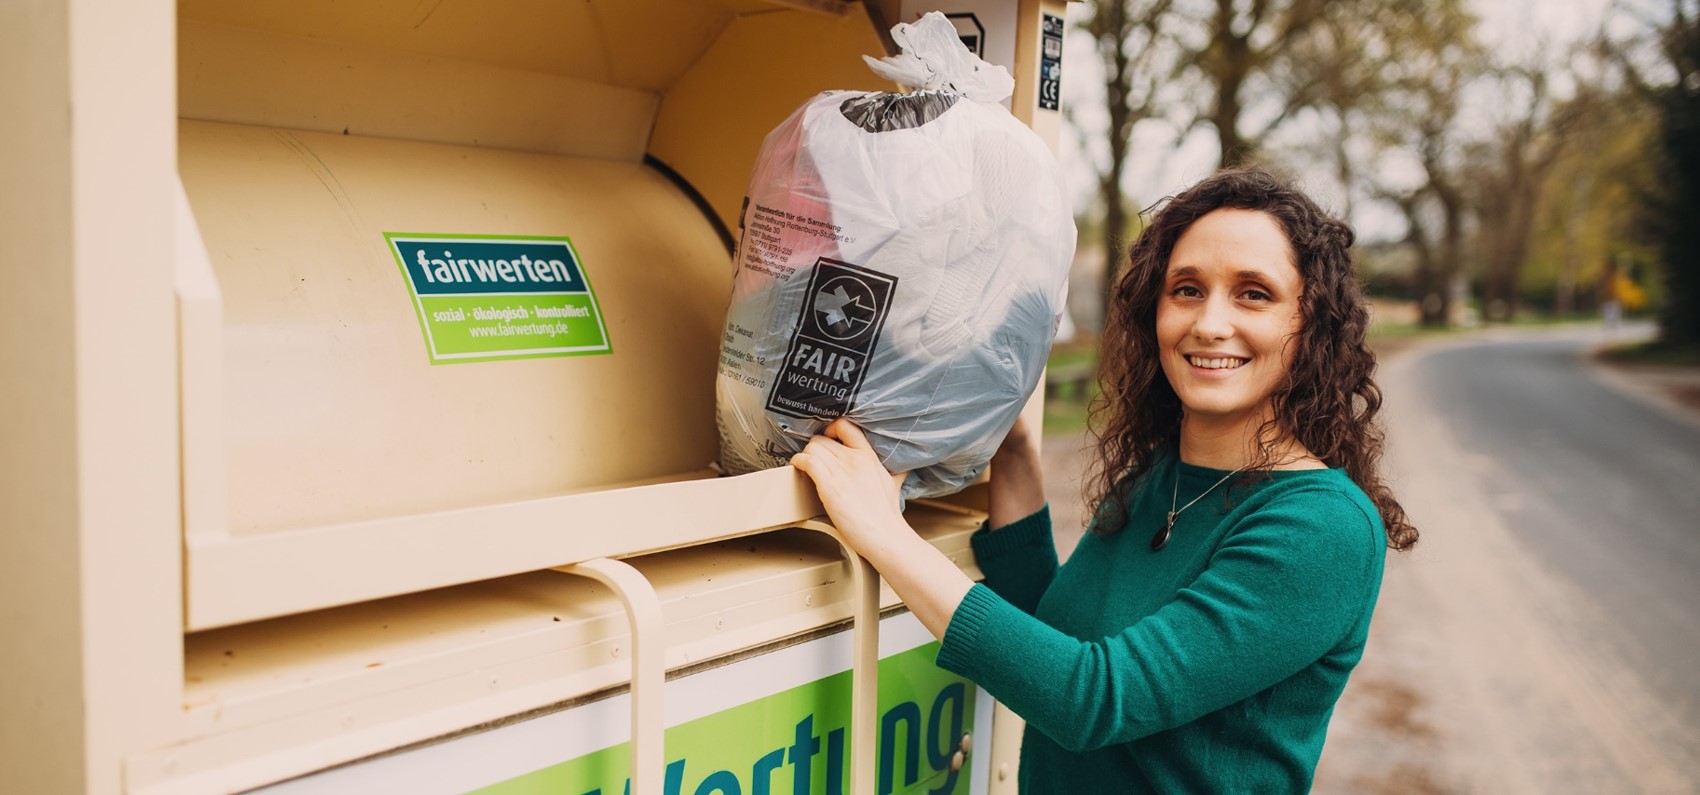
[485, 297]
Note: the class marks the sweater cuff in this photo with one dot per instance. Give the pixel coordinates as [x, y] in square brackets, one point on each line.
[962, 636]
[1012, 537]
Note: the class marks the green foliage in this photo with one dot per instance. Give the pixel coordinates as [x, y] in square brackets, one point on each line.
[1589, 213]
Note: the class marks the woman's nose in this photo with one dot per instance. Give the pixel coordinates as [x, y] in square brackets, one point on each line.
[1214, 320]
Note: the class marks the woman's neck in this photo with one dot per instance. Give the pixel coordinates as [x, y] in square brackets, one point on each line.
[1232, 444]
[1218, 445]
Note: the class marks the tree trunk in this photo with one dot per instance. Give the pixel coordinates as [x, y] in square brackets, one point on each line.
[1431, 301]
[1564, 299]
[1114, 26]
[1451, 254]
[1233, 62]
[1115, 244]
[1343, 162]
[1226, 118]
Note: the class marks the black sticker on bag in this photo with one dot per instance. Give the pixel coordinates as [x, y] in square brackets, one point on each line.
[835, 337]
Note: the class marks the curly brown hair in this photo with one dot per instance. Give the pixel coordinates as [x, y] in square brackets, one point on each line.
[1328, 401]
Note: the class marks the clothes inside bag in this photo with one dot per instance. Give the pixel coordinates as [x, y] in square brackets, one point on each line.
[903, 261]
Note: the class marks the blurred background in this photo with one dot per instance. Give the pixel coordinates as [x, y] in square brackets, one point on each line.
[1524, 178]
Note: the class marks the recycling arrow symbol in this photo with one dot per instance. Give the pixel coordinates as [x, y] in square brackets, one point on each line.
[846, 307]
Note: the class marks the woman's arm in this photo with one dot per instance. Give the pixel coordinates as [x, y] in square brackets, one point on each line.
[1276, 597]
[1017, 487]
[1016, 551]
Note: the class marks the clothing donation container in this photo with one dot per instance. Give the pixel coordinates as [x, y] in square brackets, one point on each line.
[364, 434]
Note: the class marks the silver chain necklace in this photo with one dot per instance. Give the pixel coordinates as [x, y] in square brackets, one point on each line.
[1160, 538]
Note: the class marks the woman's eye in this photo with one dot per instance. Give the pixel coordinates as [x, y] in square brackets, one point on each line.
[1187, 291]
[1257, 295]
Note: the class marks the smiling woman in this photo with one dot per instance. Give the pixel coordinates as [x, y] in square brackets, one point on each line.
[1237, 421]
[1245, 267]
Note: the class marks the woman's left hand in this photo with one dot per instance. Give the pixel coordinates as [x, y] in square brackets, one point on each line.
[859, 495]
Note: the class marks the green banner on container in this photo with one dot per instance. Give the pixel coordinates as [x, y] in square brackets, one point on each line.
[797, 741]
[486, 297]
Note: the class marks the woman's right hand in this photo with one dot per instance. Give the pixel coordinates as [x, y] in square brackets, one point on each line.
[861, 498]
[859, 495]
[1017, 487]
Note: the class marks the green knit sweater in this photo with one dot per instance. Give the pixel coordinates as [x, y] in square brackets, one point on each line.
[1210, 666]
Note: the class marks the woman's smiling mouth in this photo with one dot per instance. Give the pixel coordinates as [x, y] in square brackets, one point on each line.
[1216, 363]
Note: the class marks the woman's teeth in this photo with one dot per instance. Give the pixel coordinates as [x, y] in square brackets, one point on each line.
[1215, 364]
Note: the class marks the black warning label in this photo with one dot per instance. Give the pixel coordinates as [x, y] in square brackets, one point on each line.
[835, 337]
[1050, 63]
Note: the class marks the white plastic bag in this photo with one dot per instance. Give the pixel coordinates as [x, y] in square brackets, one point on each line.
[903, 263]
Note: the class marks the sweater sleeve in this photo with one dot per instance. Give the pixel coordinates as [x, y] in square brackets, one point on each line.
[1280, 592]
[1018, 559]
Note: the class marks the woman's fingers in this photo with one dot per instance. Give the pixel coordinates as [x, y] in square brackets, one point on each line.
[843, 452]
[826, 448]
[816, 458]
[823, 452]
[846, 432]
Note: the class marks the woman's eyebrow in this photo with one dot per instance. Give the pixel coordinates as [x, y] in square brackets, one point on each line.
[1191, 271]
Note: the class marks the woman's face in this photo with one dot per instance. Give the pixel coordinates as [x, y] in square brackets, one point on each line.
[1227, 314]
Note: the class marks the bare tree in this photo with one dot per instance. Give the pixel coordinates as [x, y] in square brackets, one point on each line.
[1440, 58]
[1262, 59]
[1242, 46]
[1513, 167]
[1349, 66]
[1512, 171]
[1132, 45]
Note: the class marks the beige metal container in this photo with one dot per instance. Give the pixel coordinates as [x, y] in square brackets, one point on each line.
[253, 529]
[310, 131]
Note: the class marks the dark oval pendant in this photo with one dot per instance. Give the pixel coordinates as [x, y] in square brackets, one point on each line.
[1160, 538]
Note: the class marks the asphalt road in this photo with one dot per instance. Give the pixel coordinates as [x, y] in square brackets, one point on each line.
[1545, 635]
[1602, 490]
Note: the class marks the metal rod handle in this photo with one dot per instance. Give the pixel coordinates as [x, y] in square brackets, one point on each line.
[649, 669]
[864, 676]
